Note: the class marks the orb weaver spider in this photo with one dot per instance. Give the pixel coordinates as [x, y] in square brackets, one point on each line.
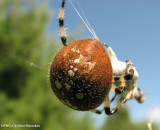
[83, 73]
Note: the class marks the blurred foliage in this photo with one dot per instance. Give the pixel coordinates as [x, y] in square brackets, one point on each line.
[25, 53]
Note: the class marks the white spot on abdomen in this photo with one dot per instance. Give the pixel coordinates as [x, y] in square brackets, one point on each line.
[91, 65]
[58, 84]
[71, 73]
[76, 61]
[71, 66]
[74, 49]
[75, 69]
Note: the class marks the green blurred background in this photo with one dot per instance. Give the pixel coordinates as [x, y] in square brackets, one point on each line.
[26, 97]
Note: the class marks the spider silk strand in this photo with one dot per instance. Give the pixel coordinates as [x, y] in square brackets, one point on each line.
[91, 30]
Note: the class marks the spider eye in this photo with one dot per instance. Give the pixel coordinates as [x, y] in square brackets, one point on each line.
[81, 75]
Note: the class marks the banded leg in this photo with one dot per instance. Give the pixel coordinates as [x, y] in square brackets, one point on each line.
[136, 93]
[113, 98]
[109, 111]
[100, 111]
[61, 24]
[117, 91]
[106, 103]
[119, 84]
[117, 81]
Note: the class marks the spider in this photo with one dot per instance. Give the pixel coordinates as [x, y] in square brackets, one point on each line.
[83, 73]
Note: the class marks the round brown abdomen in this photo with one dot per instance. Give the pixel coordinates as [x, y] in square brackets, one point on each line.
[81, 74]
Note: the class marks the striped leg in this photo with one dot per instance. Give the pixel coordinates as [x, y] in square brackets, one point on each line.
[109, 111]
[107, 108]
[117, 81]
[106, 103]
[61, 24]
[135, 93]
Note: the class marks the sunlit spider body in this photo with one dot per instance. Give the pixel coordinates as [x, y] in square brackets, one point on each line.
[83, 73]
[79, 72]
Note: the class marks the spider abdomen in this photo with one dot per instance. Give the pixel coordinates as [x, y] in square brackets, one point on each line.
[81, 74]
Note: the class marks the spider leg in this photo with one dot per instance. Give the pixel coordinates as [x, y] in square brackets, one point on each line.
[109, 111]
[133, 93]
[120, 81]
[100, 111]
[107, 103]
[120, 89]
[138, 94]
[113, 98]
[111, 52]
[61, 24]
[97, 111]
[104, 103]
[117, 91]
[105, 45]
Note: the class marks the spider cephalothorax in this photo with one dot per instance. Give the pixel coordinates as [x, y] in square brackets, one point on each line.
[83, 73]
